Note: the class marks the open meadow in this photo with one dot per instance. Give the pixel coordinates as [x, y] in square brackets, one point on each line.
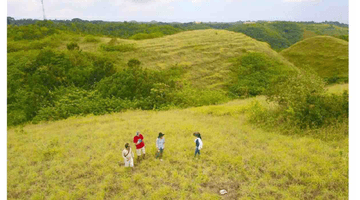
[77, 158]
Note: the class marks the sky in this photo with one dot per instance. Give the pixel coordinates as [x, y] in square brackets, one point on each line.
[183, 10]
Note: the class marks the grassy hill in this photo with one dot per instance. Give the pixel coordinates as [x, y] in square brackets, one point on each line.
[77, 158]
[326, 55]
[43, 73]
[205, 54]
[312, 30]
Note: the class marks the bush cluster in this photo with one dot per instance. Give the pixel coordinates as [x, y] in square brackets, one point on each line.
[33, 79]
[253, 73]
[118, 47]
[52, 85]
[72, 46]
[303, 102]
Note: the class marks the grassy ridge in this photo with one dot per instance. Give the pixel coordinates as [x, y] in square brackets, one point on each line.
[326, 55]
[205, 53]
[77, 158]
[325, 29]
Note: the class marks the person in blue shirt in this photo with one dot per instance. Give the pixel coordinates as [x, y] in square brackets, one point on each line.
[160, 145]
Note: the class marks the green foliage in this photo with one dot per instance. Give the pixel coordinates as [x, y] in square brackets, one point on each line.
[336, 79]
[75, 101]
[279, 35]
[91, 39]
[253, 72]
[130, 83]
[113, 41]
[119, 47]
[72, 46]
[326, 29]
[32, 79]
[26, 45]
[291, 31]
[344, 37]
[303, 102]
[32, 31]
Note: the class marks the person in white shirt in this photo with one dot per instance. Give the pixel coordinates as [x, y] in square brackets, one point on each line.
[198, 142]
[128, 156]
[160, 145]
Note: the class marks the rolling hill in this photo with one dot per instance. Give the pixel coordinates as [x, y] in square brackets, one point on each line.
[205, 53]
[326, 55]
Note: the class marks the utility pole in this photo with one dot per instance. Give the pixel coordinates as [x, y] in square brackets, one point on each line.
[42, 2]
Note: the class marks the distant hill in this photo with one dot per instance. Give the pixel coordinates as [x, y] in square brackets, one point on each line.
[279, 34]
[204, 53]
[327, 55]
[312, 30]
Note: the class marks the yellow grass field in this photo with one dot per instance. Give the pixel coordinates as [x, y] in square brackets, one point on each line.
[338, 88]
[77, 158]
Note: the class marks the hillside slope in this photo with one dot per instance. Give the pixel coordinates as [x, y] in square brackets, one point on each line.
[327, 55]
[205, 53]
[78, 158]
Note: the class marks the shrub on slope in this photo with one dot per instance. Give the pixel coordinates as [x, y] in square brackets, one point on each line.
[253, 73]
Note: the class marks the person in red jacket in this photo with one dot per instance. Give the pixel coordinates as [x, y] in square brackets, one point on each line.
[140, 145]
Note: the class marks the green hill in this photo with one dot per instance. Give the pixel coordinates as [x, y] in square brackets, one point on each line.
[205, 54]
[326, 55]
[311, 30]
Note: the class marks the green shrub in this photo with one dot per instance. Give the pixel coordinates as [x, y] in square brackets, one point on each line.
[26, 45]
[292, 90]
[253, 73]
[75, 101]
[344, 37]
[132, 82]
[336, 79]
[113, 41]
[72, 46]
[91, 39]
[303, 102]
[33, 77]
[120, 47]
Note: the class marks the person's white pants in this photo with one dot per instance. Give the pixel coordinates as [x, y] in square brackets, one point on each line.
[138, 151]
[129, 163]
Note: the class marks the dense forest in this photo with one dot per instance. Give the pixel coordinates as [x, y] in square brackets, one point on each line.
[279, 34]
